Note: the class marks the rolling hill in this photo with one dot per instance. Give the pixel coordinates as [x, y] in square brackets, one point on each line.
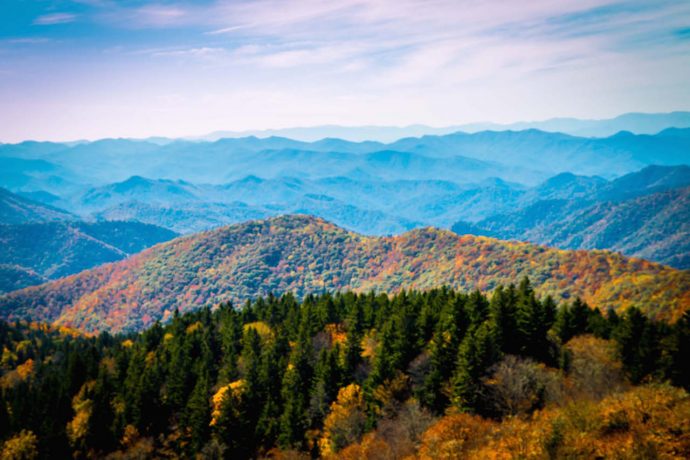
[303, 254]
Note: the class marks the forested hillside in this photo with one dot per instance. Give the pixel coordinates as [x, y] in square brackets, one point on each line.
[436, 374]
[303, 255]
[654, 227]
[51, 250]
[15, 209]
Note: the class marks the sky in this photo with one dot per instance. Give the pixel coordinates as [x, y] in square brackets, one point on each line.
[87, 69]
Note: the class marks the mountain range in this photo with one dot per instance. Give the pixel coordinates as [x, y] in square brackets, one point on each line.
[526, 157]
[644, 214]
[15, 209]
[303, 254]
[69, 207]
[377, 189]
[639, 123]
[552, 212]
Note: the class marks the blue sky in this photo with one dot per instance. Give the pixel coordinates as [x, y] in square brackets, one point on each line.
[102, 68]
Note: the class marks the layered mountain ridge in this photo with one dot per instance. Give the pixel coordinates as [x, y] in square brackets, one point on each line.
[302, 254]
[644, 214]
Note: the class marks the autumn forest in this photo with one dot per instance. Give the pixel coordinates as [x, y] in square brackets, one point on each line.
[433, 374]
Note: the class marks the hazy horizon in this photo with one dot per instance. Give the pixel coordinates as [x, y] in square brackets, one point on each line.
[92, 69]
[310, 133]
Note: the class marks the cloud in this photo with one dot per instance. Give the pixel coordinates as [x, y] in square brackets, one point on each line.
[161, 15]
[203, 52]
[298, 54]
[54, 18]
[289, 62]
[28, 40]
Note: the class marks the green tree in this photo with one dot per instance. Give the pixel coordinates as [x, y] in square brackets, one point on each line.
[477, 353]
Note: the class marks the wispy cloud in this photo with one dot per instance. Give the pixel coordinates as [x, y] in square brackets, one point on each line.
[54, 18]
[160, 15]
[28, 40]
[291, 62]
[194, 52]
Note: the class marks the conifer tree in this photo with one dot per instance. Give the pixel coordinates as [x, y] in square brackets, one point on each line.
[296, 384]
[477, 353]
[273, 365]
[637, 343]
[386, 358]
[503, 321]
[327, 380]
[198, 410]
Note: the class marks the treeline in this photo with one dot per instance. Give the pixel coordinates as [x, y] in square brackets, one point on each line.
[310, 376]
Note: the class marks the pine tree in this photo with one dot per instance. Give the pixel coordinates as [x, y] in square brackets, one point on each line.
[230, 341]
[675, 349]
[198, 411]
[637, 344]
[386, 358]
[273, 364]
[477, 353]
[326, 383]
[353, 345]
[502, 317]
[477, 308]
[296, 384]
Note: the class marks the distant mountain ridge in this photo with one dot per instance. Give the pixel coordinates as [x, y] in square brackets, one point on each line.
[15, 209]
[644, 214]
[639, 123]
[36, 252]
[369, 187]
[303, 254]
[40, 242]
[527, 157]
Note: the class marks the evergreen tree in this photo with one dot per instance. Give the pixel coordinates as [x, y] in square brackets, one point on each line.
[503, 321]
[675, 349]
[477, 353]
[637, 344]
[477, 308]
[273, 364]
[296, 384]
[326, 384]
[198, 411]
[386, 359]
[353, 345]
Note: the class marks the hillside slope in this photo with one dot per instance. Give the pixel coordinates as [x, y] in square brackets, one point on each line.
[303, 254]
[35, 252]
[15, 209]
[13, 277]
[655, 227]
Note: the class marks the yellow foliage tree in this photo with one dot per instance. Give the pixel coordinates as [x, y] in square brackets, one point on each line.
[455, 436]
[78, 427]
[595, 371]
[23, 446]
[233, 390]
[345, 423]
